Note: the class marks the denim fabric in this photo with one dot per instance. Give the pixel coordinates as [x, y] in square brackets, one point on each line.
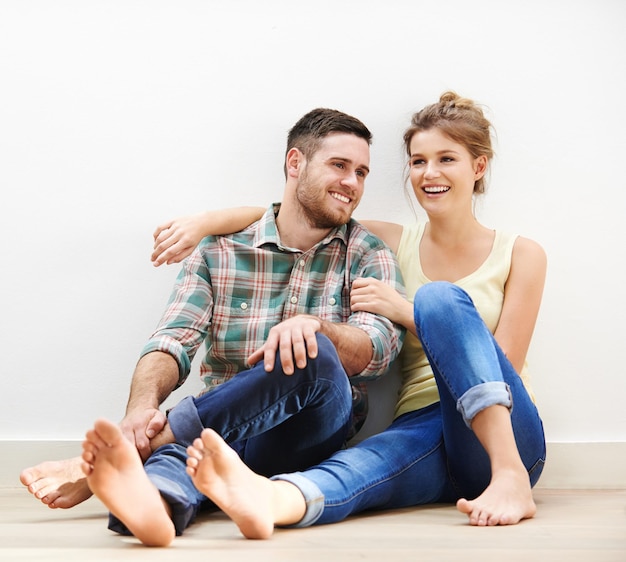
[431, 455]
[276, 423]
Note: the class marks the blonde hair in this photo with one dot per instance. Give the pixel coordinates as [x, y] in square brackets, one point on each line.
[462, 120]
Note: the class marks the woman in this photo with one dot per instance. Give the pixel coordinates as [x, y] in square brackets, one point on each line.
[465, 424]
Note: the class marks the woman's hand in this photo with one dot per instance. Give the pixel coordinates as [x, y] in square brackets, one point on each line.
[372, 295]
[176, 239]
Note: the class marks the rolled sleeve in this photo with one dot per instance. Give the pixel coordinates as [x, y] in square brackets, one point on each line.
[386, 338]
[173, 347]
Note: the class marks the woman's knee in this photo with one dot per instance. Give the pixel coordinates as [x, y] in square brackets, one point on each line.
[437, 300]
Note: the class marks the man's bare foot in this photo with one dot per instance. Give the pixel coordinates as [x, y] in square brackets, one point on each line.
[164, 437]
[116, 476]
[219, 473]
[57, 484]
[506, 501]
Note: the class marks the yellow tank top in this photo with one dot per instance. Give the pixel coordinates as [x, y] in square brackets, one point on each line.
[485, 286]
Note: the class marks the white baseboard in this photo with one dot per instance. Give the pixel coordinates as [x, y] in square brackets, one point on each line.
[585, 466]
[568, 465]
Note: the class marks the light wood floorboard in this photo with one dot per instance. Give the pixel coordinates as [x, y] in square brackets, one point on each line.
[571, 525]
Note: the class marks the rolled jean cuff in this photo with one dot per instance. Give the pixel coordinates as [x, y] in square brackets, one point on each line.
[185, 422]
[482, 396]
[313, 498]
[181, 512]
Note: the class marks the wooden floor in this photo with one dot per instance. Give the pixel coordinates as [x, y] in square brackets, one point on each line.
[585, 526]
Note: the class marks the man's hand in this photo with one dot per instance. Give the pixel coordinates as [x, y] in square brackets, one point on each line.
[155, 376]
[294, 339]
[141, 426]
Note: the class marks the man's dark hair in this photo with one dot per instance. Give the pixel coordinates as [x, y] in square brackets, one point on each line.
[307, 134]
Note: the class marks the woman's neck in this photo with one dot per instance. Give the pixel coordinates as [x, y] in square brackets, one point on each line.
[453, 232]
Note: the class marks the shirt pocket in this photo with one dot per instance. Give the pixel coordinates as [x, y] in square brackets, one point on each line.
[241, 324]
[329, 307]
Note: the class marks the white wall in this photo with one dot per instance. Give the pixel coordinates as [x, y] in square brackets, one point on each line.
[117, 115]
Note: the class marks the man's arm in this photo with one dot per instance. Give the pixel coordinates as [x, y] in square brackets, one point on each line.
[155, 376]
[166, 358]
[353, 345]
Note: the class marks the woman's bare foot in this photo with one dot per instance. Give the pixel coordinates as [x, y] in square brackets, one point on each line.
[253, 502]
[57, 484]
[506, 501]
[116, 476]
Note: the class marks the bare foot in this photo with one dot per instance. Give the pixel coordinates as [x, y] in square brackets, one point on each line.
[506, 501]
[164, 437]
[219, 473]
[116, 476]
[57, 484]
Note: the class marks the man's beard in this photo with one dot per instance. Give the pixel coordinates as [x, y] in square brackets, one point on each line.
[311, 203]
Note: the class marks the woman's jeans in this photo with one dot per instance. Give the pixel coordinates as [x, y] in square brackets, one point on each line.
[276, 423]
[431, 455]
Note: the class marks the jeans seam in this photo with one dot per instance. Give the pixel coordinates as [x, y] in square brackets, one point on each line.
[386, 478]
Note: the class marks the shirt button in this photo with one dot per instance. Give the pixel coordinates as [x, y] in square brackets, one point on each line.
[244, 306]
[294, 300]
[301, 263]
[332, 301]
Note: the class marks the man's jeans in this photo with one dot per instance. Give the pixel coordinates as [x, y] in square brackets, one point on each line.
[276, 423]
[431, 455]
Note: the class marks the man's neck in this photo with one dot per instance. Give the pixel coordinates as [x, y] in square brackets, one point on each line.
[296, 231]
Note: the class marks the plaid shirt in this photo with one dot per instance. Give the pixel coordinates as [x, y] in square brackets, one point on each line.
[233, 289]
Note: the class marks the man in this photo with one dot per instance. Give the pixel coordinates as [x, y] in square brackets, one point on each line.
[272, 303]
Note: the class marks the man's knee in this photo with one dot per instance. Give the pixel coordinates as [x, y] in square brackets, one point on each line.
[326, 351]
[327, 361]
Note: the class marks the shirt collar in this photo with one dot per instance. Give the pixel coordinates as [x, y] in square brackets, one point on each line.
[267, 231]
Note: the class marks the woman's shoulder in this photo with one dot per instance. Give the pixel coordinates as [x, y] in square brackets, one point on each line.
[517, 244]
[528, 248]
[529, 257]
